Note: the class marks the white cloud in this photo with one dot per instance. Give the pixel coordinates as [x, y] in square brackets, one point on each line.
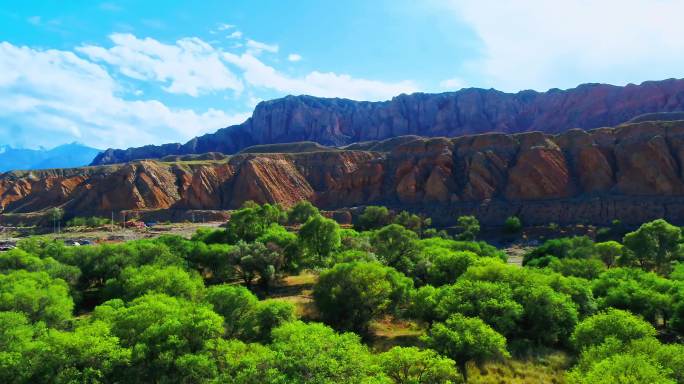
[294, 57]
[235, 35]
[542, 44]
[56, 96]
[258, 74]
[191, 66]
[452, 84]
[53, 96]
[224, 27]
[257, 47]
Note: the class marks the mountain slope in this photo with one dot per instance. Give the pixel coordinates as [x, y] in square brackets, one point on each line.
[633, 173]
[63, 156]
[468, 111]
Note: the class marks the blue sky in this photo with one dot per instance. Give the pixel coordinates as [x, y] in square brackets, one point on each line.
[127, 73]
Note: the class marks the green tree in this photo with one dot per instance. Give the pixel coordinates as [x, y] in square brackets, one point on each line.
[38, 295]
[576, 288]
[314, 353]
[350, 295]
[89, 354]
[233, 303]
[171, 280]
[548, 316]
[250, 222]
[677, 315]
[584, 268]
[30, 353]
[410, 365]
[373, 217]
[257, 260]
[210, 236]
[445, 266]
[18, 259]
[213, 261]
[491, 302]
[319, 237]
[395, 246]
[623, 369]
[549, 313]
[578, 247]
[612, 323]
[410, 221]
[161, 331]
[653, 247]
[466, 339]
[17, 339]
[266, 315]
[513, 225]
[284, 242]
[423, 304]
[609, 252]
[642, 293]
[242, 363]
[668, 358]
[301, 212]
[56, 215]
[469, 227]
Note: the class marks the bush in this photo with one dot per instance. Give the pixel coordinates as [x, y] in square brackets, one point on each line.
[319, 237]
[233, 303]
[90, 222]
[301, 212]
[171, 280]
[513, 225]
[350, 295]
[469, 227]
[413, 365]
[578, 247]
[655, 246]
[373, 217]
[36, 294]
[584, 268]
[466, 339]
[613, 323]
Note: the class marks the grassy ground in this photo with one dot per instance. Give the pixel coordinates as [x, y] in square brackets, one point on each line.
[548, 368]
[390, 332]
[298, 291]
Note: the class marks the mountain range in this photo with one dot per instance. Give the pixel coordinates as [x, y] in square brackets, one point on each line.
[474, 151]
[340, 122]
[632, 172]
[63, 156]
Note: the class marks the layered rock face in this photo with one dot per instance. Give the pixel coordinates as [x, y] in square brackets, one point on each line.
[468, 111]
[632, 172]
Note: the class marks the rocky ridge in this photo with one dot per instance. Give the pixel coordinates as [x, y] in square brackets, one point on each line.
[338, 122]
[632, 172]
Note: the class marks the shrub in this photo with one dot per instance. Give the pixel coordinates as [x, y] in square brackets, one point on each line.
[513, 225]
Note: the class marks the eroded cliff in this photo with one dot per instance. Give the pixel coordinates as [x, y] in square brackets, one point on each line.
[632, 172]
[468, 111]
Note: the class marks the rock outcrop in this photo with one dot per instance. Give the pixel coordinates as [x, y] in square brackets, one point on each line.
[340, 122]
[632, 172]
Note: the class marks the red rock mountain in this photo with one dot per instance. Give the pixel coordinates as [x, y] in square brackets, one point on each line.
[468, 111]
[632, 172]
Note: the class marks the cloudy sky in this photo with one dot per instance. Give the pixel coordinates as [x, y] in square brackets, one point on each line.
[127, 73]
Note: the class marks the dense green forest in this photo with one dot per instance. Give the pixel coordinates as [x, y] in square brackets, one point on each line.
[204, 310]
